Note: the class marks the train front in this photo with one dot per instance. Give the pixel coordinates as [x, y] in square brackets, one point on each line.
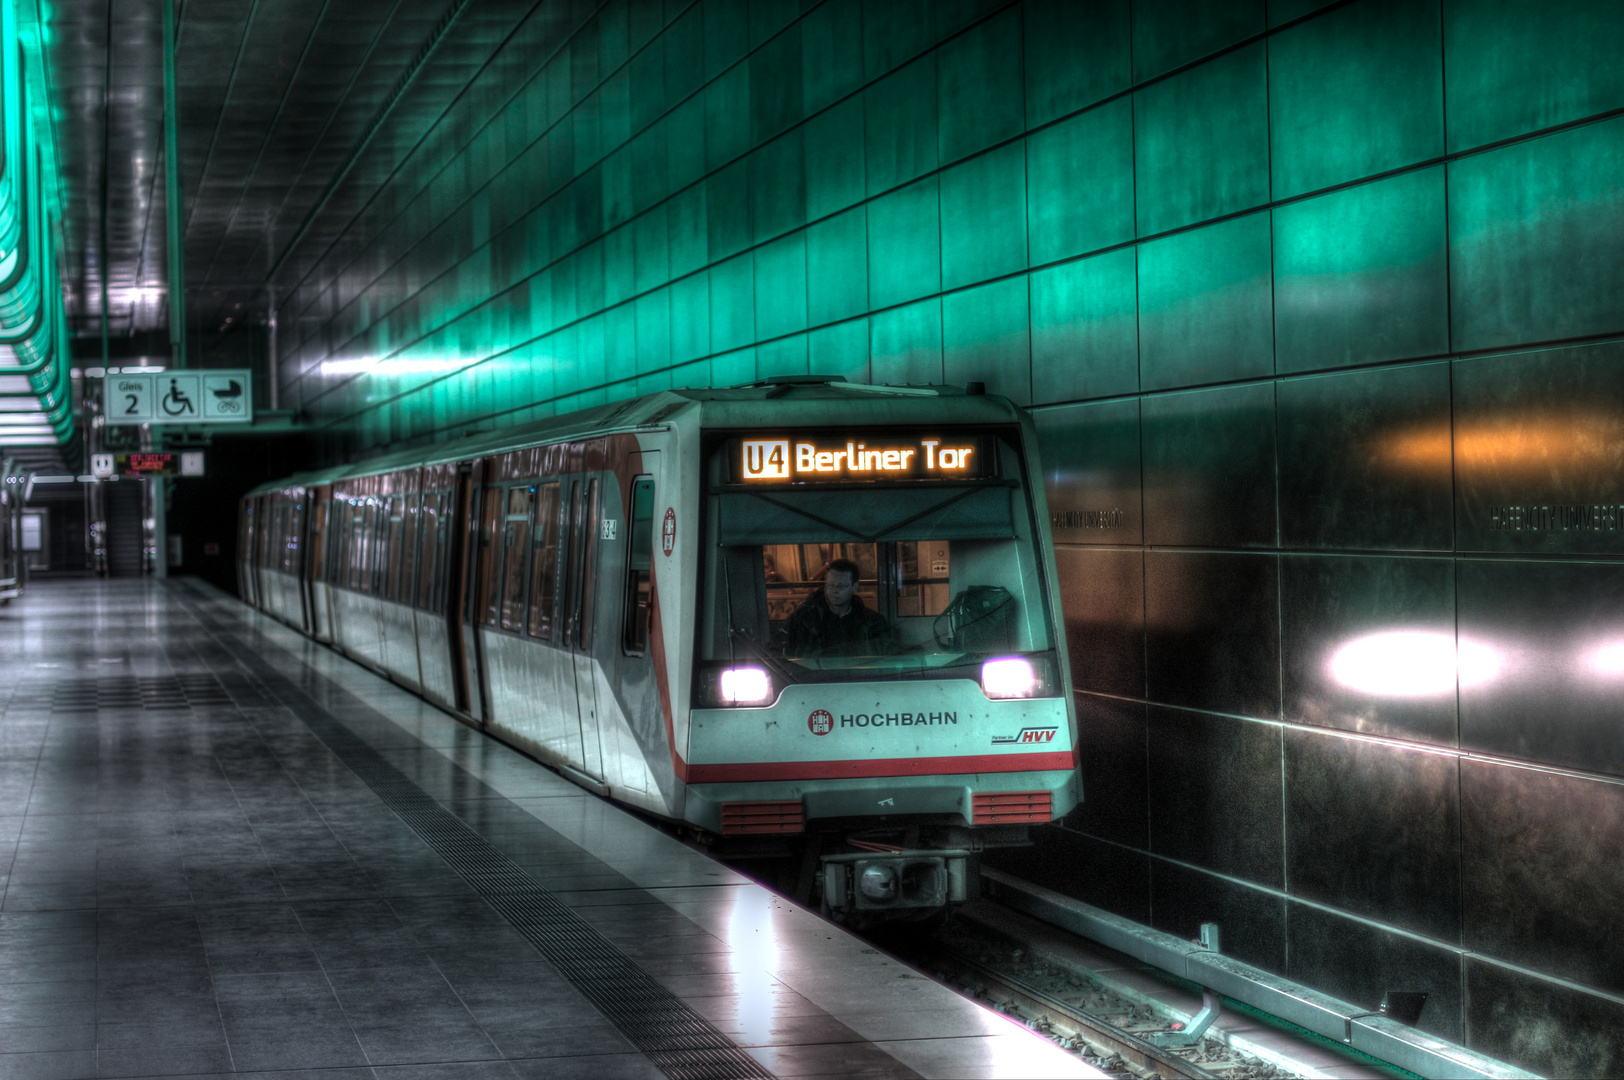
[880, 662]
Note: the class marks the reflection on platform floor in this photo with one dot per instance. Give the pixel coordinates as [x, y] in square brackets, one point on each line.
[224, 849]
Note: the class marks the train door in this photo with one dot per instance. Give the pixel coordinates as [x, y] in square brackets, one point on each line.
[481, 565]
[627, 573]
[579, 593]
[459, 510]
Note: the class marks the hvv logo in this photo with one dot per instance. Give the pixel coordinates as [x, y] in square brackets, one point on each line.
[1027, 735]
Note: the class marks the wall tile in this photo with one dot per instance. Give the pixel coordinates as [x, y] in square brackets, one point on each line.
[904, 245]
[1359, 963]
[1112, 746]
[1374, 829]
[777, 189]
[1364, 459]
[1170, 33]
[985, 339]
[781, 286]
[1251, 922]
[1537, 855]
[1201, 142]
[1085, 328]
[1212, 631]
[834, 158]
[831, 52]
[1210, 468]
[1531, 230]
[837, 267]
[1077, 52]
[984, 217]
[1093, 871]
[1091, 472]
[1355, 92]
[1396, 618]
[899, 118]
[1548, 641]
[1545, 1027]
[1102, 597]
[1205, 305]
[1215, 793]
[981, 87]
[894, 31]
[905, 344]
[1080, 183]
[1360, 275]
[1515, 68]
[1538, 451]
[841, 349]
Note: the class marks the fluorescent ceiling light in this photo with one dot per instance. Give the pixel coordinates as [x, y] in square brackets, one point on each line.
[374, 366]
[9, 439]
[20, 405]
[15, 384]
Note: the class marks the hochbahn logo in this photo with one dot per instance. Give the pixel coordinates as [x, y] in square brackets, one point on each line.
[822, 722]
[1026, 735]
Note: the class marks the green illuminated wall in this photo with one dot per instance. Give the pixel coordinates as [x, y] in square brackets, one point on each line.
[1276, 276]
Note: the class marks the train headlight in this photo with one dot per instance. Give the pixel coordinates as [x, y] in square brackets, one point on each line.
[745, 686]
[1009, 677]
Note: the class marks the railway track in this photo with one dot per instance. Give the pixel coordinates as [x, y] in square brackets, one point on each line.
[1069, 1004]
[1113, 1049]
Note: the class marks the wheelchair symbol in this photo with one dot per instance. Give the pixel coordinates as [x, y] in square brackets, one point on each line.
[175, 402]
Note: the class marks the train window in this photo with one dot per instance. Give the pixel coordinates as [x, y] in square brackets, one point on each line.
[544, 562]
[490, 557]
[408, 552]
[639, 564]
[316, 564]
[392, 535]
[515, 555]
[894, 577]
[360, 553]
[428, 550]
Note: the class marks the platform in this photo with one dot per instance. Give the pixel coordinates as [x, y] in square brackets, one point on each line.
[225, 849]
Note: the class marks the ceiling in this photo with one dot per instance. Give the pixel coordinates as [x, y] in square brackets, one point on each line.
[275, 99]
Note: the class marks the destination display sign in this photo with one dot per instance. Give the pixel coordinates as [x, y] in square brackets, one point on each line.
[845, 457]
[188, 463]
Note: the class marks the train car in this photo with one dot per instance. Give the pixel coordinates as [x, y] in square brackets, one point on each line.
[806, 610]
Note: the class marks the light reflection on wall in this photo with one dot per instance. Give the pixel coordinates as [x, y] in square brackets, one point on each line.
[1606, 660]
[1520, 445]
[1413, 663]
[372, 365]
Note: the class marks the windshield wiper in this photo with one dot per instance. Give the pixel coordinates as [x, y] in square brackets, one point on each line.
[778, 666]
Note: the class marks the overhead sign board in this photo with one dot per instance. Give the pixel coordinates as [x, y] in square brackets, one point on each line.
[180, 397]
[160, 463]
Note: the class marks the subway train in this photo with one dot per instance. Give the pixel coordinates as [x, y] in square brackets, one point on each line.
[805, 612]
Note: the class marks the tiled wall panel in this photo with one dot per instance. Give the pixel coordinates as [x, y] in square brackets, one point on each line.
[1318, 305]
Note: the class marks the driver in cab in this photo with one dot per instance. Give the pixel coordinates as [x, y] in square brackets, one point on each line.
[834, 621]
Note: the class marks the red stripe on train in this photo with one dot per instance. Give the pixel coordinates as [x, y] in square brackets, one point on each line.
[825, 770]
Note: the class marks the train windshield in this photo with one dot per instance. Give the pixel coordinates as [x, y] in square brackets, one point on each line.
[924, 573]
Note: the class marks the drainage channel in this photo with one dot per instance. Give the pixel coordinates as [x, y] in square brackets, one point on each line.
[680, 1042]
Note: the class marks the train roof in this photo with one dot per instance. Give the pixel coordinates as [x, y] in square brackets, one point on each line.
[789, 401]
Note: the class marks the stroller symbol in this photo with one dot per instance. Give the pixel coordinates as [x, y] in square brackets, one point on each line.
[175, 402]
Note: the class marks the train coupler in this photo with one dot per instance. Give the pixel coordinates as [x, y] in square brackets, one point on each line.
[875, 882]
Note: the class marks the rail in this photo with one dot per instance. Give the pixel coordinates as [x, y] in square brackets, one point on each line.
[1376, 1035]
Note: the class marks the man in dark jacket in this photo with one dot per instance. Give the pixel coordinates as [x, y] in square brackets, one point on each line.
[834, 621]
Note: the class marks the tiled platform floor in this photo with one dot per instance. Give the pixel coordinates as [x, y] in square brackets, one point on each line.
[193, 883]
